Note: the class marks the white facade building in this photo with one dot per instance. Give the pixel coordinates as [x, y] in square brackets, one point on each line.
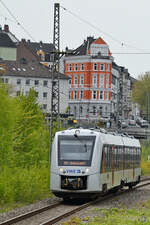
[24, 77]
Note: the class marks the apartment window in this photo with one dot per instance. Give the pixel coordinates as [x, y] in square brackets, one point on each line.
[113, 79]
[94, 110]
[82, 66]
[94, 94]
[101, 80]
[17, 93]
[94, 80]
[44, 106]
[6, 80]
[18, 81]
[81, 94]
[44, 94]
[108, 67]
[81, 109]
[69, 82]
[28, 82]
[107, 80]
[106, 95]
[101, 95]
[75, 94]
[81, 79]
[95, 66]
[75, 79]
[45, 83]
[70, 67]
[76, 67]
[36, 82]
[106, 110]
[75, 111]
[102, 66]
[69, 94]
[100, 110]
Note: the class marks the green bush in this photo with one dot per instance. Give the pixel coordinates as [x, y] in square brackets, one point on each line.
[24, 150]
[145, 164]
[24, 185]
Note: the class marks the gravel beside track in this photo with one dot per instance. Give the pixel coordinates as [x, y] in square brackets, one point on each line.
[28, 208]
[132, 199]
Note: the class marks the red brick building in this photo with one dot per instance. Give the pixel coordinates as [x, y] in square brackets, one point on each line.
[90, 69]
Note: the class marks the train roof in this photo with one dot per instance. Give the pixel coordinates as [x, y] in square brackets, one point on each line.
[111, 138]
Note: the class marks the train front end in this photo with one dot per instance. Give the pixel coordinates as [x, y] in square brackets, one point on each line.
[74, 166]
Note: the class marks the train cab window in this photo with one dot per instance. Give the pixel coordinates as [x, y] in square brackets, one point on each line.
[75, 151]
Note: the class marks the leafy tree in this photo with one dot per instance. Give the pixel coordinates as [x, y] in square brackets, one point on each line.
[7, 122]
[31, 137]
[141, 91]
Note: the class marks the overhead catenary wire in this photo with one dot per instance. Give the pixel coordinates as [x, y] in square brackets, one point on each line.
[6, 18]
[103, 32]
[17, 21]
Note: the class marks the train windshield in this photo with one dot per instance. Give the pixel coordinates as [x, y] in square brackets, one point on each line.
[75, 150]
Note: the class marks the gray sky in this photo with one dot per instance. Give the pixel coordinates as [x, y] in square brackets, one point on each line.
[116, 22]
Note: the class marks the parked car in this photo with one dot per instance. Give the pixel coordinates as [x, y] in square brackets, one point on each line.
[123, 123]
[132, 123]
[138, 120]
[144, 124]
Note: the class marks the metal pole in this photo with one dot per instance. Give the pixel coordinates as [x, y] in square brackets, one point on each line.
[54, 117]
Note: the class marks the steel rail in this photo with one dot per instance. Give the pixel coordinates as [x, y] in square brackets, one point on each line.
[59, 218]
[29, 214]
[56, 219]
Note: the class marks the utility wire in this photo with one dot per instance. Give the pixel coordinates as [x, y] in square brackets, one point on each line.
[18, 23]
[97, 28]
[6, 18]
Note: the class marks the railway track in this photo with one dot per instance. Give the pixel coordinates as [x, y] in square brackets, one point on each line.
[42, 215]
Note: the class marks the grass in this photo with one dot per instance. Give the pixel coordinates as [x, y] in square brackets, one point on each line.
[115, 216]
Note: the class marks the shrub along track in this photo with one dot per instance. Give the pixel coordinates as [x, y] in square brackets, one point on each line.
[53, 213]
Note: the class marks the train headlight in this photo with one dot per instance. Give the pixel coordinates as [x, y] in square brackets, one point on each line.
[61, 170]
[87, 170]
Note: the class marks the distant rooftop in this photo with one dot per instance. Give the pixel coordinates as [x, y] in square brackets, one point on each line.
[32, 69]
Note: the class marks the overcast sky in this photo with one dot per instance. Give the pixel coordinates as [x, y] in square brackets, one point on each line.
[124, 25]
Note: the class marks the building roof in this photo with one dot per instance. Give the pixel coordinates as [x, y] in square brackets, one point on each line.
[82, 49]
[100, 41]
[36, 70]
[5, 40]
[46, 47]
[133, 80]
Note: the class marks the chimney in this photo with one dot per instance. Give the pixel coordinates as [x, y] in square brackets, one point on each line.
[23, 40]
[6, 28]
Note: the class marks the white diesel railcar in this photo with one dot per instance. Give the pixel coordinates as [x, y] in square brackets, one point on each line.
[88, 162]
